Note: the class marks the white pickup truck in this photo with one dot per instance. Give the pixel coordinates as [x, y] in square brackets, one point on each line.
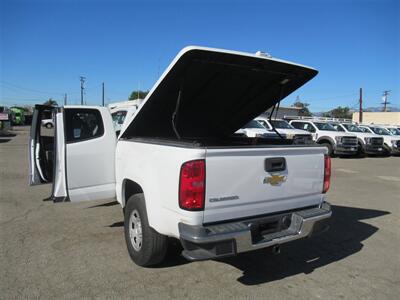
[340, 143]
[255, 129]
[368, 143]
[284, 128]
[391, 142]
[177, 168]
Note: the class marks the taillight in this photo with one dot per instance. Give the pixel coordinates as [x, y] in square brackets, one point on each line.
[192, 185]
[327, 174]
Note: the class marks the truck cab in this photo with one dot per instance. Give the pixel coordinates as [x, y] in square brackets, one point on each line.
[339, 143]
[178, 169]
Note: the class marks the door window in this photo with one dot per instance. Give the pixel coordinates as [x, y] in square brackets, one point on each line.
[83, 124]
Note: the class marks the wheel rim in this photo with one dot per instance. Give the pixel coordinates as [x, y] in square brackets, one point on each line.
[135, 230]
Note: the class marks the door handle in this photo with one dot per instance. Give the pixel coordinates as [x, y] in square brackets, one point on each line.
[275, 164]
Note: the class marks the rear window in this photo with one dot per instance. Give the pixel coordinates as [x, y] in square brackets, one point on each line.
[83, 124]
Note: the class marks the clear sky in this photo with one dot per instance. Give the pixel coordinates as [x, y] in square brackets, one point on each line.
[47, 45]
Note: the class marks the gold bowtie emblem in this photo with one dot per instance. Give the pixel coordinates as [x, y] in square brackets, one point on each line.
[274, 179]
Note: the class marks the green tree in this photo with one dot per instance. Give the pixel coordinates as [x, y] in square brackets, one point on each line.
[138, 94]
[50, 102]
[340, 112]
[304, 108]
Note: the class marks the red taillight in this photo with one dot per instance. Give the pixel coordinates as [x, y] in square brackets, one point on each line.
[192, 185]
[327, 174]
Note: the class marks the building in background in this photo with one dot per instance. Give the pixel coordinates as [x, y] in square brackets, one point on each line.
[392, 118]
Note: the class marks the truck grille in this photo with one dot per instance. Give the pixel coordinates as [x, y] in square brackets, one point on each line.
[377, 141]
[349, 140]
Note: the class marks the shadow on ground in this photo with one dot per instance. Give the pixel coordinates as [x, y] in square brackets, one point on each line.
[7, 134]
[107, 204]
[344, 238]
[4, 140]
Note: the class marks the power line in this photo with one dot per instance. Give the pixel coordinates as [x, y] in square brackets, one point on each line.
[10, 85]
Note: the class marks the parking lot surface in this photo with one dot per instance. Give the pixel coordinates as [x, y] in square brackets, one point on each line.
[78, 250]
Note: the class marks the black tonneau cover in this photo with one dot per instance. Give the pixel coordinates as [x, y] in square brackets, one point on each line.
[220, 92]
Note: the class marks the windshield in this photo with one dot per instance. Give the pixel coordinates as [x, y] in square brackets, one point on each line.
[253, 124]
[352, 128]
[324, 126]
[119, 117]
[366, 130]
[394, 131]
[337, 127]
[281, 124]
[380, 131]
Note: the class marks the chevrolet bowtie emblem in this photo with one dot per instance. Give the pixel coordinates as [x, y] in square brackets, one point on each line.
[274, 179]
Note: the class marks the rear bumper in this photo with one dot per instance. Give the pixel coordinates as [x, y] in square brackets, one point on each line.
[206, 242]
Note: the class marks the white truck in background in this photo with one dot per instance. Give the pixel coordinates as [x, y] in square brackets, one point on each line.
[120, 111]
[368, 143]
[338, 143]
[177, 168]
[391, 142]
[255, 129]
[284, 128]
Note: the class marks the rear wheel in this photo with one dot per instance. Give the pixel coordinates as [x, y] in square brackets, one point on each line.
[146, 247]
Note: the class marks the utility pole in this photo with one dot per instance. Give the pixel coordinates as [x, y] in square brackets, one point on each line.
[360, 115]
[65, 99]
[102, 97]
[82, 79]
[385, 101]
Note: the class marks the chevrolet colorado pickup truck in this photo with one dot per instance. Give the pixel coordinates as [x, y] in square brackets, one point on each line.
[177, 168]
[336, 142]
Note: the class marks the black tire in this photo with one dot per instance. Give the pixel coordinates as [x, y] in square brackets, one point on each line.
[361, 151]
[330, 148]
[387, 151]
[48, 125]
[153, 245]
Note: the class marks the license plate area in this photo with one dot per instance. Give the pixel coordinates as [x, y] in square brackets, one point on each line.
[262, 227]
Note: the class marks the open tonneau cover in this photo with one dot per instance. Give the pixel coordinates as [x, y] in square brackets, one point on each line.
[208, 92]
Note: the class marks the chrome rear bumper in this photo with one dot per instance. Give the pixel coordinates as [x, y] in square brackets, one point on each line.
[205, 242]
